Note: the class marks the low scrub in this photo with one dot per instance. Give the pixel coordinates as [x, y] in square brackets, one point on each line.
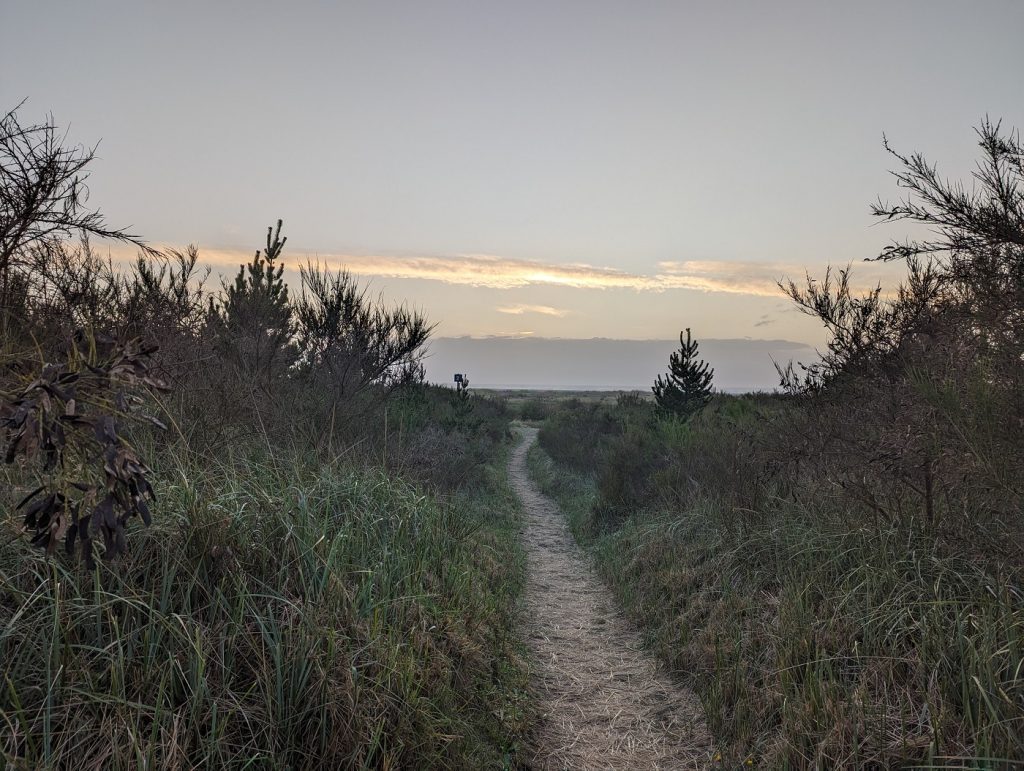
[813, 644]
[280, 612]
[840, 568]
[329, 573]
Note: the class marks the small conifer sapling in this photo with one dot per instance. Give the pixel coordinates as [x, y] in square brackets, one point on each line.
[686, 388]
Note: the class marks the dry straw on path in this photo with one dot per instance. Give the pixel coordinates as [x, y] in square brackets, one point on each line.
[604, 701]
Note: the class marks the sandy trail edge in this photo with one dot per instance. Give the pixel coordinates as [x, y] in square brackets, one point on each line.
[605, 702]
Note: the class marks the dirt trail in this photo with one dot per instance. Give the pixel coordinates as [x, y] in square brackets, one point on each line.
[605, 701]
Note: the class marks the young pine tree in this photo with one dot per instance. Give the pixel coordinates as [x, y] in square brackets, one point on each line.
[687, 386]
[254, 323]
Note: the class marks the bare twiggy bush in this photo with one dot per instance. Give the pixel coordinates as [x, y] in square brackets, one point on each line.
[349, 342]
[839, 568]
[295, 603]
[43, 192]
[915, 409]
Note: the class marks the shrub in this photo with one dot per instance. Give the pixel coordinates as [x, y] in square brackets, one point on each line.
[576, 433]
[63, 423]
[296, 603]
[535, 409]
[901, 413]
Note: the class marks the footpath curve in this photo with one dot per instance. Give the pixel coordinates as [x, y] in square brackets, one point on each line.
[605, 702]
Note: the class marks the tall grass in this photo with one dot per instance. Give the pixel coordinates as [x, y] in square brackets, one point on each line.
[812, 643]
[282, 612]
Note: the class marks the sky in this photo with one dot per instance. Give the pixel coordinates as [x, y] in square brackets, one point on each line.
[551, 169]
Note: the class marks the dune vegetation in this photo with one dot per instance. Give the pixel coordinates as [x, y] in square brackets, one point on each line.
[838, 569]
[240, 530]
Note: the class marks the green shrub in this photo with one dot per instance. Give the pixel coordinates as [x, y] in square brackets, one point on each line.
[535, 409]
[626, 477]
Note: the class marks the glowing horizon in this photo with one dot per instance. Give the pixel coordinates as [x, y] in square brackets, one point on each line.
[560, 169]
[758, 279]
[514, 284]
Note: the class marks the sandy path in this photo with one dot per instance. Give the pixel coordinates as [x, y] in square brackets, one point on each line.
[605, 702]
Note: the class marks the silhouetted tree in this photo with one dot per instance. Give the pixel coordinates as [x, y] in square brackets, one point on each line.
[686, 388]
[964, 221]
[865, 330]
[43, 192]
[924, 385]
[348, 342]
[43, 197]
[253, 323]
[967, 280]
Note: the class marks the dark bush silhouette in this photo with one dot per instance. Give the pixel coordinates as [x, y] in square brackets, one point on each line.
[328, 524]
[348, 342]
[922, 387]
[686, 388]
[43, 192]
[64, 422]
[804, 552]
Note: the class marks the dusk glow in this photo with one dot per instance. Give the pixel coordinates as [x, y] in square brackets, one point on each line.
[636, 169]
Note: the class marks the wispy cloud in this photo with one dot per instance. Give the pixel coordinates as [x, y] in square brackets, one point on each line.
[494, 272]
[519, 310]
[762, 278]
[748, 277]
[752, 278]
[490, 271]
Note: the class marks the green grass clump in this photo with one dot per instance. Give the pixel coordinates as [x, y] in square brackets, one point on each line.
[284, 613]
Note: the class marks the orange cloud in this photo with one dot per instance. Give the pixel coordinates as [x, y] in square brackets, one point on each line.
[494, 272]
[761, 278]
[546, 310]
